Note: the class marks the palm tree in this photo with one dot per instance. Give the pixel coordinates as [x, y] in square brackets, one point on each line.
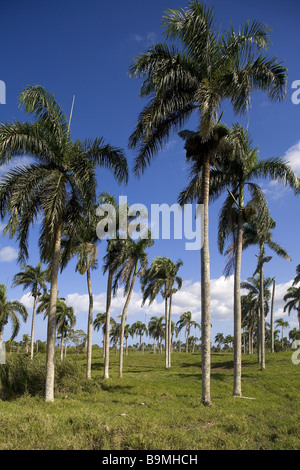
[294, 334]
[99, 322]
[65, 320]
[156, 330]
[219, 339]
[249, 305]
[8, 311]
[82, 241]
[35, 279]
[259, 232]
[186, 321]
[272, 316]
[139, 328]
[132, 260]
[211, 67]
[60, 186]
[292, 299]
[283, 324]
[238, 173]
[254, 299]
[161, 278]
[111, 263]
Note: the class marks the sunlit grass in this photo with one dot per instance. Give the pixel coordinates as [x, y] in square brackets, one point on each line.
[152, 408]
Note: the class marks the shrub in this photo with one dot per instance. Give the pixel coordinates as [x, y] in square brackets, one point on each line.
[24, 376]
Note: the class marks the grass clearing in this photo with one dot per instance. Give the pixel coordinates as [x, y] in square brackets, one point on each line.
[151, 408]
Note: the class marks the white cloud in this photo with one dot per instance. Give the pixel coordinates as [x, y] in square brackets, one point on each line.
[186, 299]
[292, 155]
[8, 253]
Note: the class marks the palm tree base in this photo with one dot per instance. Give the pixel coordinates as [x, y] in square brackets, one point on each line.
[207, 403]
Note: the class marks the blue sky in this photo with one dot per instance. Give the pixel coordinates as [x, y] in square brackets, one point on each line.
[84, 49]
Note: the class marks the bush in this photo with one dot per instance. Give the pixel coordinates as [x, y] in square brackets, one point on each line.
[24, 376]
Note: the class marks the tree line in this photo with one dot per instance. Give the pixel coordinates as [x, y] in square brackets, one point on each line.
[195, 77]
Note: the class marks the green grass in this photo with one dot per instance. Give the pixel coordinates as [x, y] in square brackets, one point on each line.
[151, 408]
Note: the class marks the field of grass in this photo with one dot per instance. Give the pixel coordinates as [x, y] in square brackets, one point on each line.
[151, 408]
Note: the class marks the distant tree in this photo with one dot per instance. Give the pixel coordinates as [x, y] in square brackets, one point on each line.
[283, 324]
[33, 278]
[9, 310]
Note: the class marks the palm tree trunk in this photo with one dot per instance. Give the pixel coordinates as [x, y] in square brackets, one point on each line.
[166, 334]
[205, 287]
[90, 326]
[258, 334]
[170, 331]
[123, 320]
[51, 331]
[107, 325]
[237, 377]
[262, 318]
[62, 346]
[272, 317]
[32, 327]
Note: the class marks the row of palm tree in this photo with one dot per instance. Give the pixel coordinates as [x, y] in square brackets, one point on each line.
[206, 68]
[156, 329]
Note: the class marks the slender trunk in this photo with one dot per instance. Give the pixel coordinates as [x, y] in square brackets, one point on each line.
[32, 326]
[166, 334]
[262, 318]
[90, 326]
[272, 317]
[62, 347]
[258, 334]
[107, 324]
[51, 331]
[170, 331]
[187, 339]
[123, 320]
[237, 334]
[205, 287]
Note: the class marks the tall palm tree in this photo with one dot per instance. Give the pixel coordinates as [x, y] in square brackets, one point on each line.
[111, 263]
[60, 186]
[283, 324]
[249, 306]
[156, 329]
[259, 232]
[238, 174]
[254, 287]
[35, 279]
[65, 320]
[161, 278]
[9, 310]
[139, 328]
[210, 67]
[272, 316]
[82, 240]
[133, 261]
[186, 321]
[98, 323]
[219, 338]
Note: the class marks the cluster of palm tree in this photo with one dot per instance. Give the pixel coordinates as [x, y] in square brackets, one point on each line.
[196, 76]
[156, 329]
[205, 68]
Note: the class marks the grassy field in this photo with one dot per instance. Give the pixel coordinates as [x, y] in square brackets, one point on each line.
[151, 408]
